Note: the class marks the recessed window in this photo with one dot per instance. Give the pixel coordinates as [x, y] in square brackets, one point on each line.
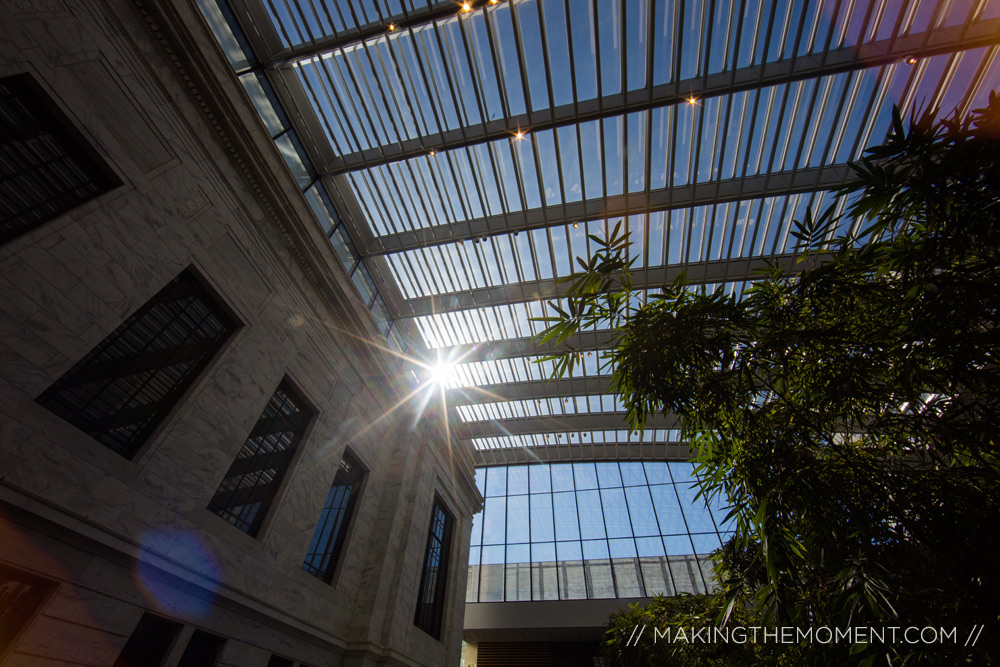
[46, 169]
[433, 579]
[149, 643]
[123, 388]
[21, 597]
[202, 650]
[250, 485]
[278, 661]
[328, 540]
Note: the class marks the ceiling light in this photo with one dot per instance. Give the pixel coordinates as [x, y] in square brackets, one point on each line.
[912, 60]
[392, 26]
[519, 135]
[433, 153]
[692, 100]
[466, 6]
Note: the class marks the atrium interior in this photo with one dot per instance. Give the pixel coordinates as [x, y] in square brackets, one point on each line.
[272, 388]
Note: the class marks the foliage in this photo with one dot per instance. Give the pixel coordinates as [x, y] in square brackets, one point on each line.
[848, 408]
[674, 631]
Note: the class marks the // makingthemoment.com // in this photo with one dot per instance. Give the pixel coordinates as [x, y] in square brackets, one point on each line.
[823, 634]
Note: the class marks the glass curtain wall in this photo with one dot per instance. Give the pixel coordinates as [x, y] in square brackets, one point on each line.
[592, 530]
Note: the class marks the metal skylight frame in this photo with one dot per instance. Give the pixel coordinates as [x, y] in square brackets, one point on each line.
[464, 239]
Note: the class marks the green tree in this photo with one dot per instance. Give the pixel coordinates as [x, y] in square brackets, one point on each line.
[848, 412]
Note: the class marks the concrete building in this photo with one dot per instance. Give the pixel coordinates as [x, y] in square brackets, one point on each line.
[267, 274]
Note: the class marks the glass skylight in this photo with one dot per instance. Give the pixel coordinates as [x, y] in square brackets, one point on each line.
[458, 161]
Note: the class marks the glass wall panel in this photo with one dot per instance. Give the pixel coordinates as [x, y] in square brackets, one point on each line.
[592, 530]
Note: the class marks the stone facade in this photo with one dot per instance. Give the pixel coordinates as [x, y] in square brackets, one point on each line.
[201, 187]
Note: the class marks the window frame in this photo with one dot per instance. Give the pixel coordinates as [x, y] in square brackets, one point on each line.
[337, 544]
[174, 626]
[44, 590]
[429, 616]
[73, 144]
[133, 449]
[308, 414]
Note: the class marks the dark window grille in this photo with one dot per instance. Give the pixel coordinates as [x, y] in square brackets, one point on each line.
[253, 479]
[21, 597]
[149, 643]
[202, 650]
[328, 540]
[123, 388]
[45, 169]
[430, 601]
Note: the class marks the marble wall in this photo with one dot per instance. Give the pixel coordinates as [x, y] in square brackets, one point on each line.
[201, 187]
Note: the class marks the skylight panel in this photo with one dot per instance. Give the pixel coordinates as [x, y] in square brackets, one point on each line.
[613, 154]
[583, 40]
[555, 31]
[466, 271]
[456, 199]
[609, 15]
[525, 257]
[636, 42]
[708, 153]
[533, 52]
[415, 79]
[539, 407]
[510, 179]
[505, 53]
[484, 65]
[683, 140]
[570, 163]
[692, 13]
[578, 246]
[591, 155]
[325, 99]
[524, 154]
[720, 47]
[372, 96]
[288, 22]
[437, 75]
[382, 54]
[426, 78]
[781, 39]
[454, 50]
[636, 155]
[560, 250]
[487, 175]
[336, 68]
[813, 25]
[470, 184]
[797, 122]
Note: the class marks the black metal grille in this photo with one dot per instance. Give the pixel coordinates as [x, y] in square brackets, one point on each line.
[123, 388]
[253, 479]
[430, 601]
[149, 643]
[45, 169]
[328, 540]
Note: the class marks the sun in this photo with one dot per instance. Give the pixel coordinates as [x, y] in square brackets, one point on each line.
[442, 373]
